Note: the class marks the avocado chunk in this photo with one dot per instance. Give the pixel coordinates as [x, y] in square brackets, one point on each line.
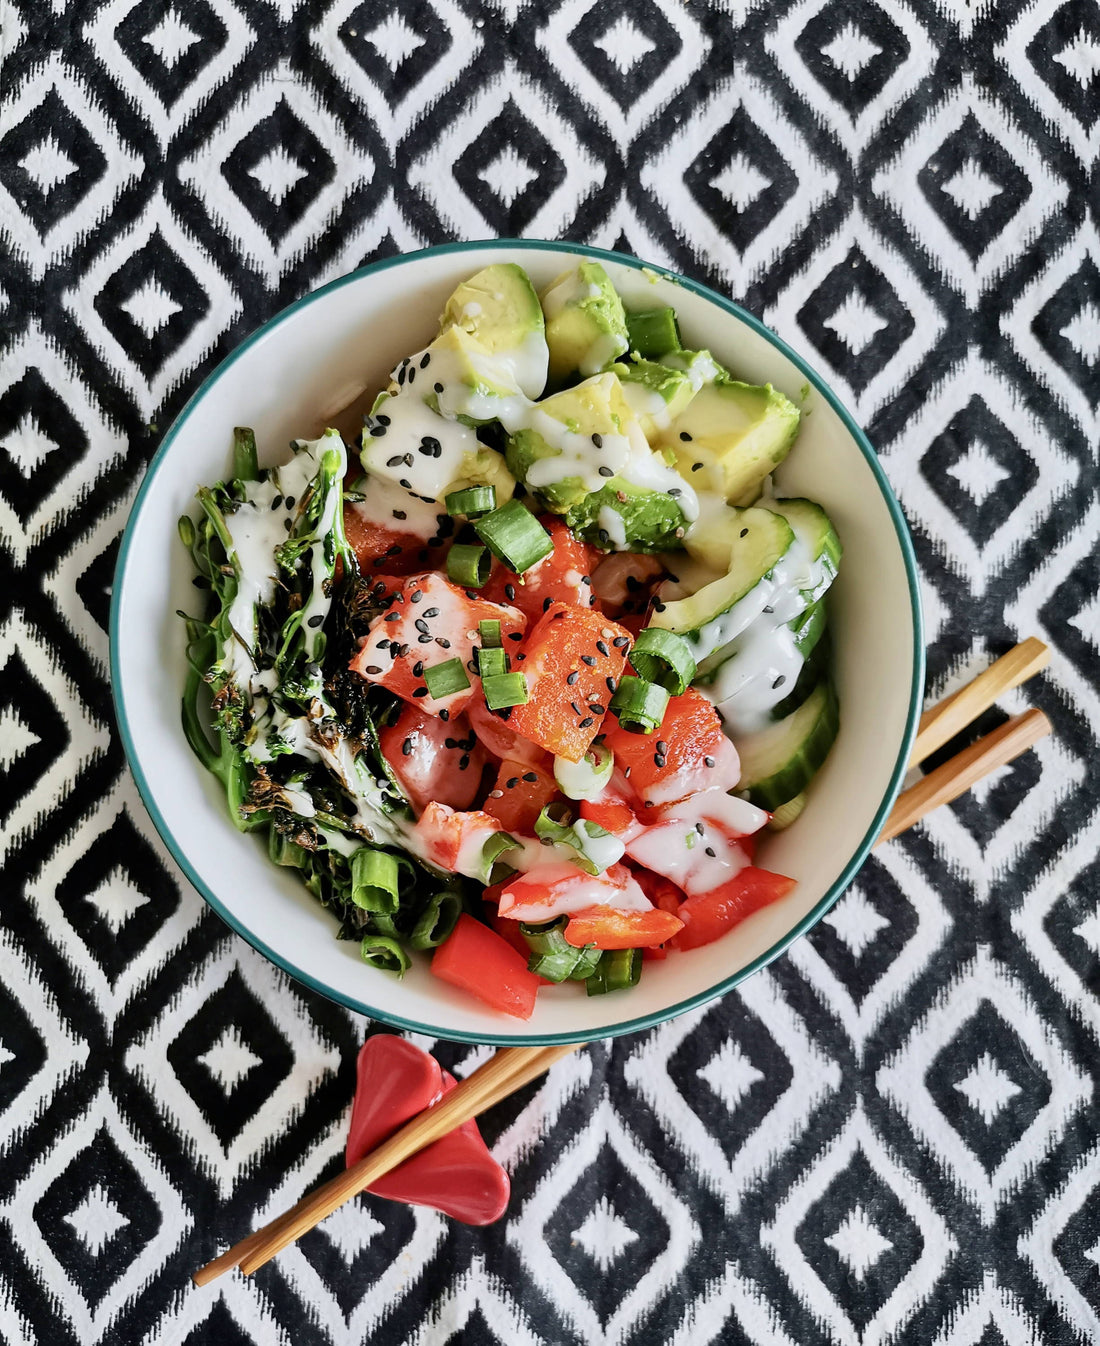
[655, 393]
[700, 366]
[498, 307]
[477, 385]
[585, 456]
[585, 323]
[740, 433]
[653, 332]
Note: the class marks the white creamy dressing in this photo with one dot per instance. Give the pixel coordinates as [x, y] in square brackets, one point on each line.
[737, 815]
[695, 854]
[578, 891]
[602, 851]
[386, 501]
[613, 524]
[406, 453]
[605, 349]
[647, 405]
[587, 778]
[701, 367]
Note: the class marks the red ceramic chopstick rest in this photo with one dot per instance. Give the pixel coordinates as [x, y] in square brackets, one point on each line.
[456, 1175]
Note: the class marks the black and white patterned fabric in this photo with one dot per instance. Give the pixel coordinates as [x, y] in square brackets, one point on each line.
[890, 1136]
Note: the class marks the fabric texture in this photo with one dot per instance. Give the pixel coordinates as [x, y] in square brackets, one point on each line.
[891, 1134]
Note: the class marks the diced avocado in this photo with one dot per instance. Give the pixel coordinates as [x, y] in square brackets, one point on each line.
[628, 518]
[653, 332]
[476, 383]
[700, 366]
[738, 432]
[778, 763]
[585, 323]
[719, 612]
[655, 393]
[499, 308]
[485, 467]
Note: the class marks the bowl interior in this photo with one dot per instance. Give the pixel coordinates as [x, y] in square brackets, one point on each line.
[304, 371]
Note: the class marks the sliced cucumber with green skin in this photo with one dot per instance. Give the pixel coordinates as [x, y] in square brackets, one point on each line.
[814, 530]
[809, 627]
[814, 669]
[778, 763]
[711, 618]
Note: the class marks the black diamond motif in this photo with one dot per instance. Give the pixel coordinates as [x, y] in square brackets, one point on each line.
[22, 1051]
[94, 585]
[346, 1281]
[1076, 300]
[968, 149]
[983, 820]
[219, 1328]
[991, 1336]
[609, 1178]
[626, 85]
[856, 276]
[50, 124]
[509, 130]
[474, 1332]
[746, 1034]
[172, 72]
[22, 698]
[153, 265]
[860, 969]
[33, 406]
[986, 1034]
[974, 425]
[855, 90]
[228, 1110]
[360, 33]
[1079, 903]
[1074, 84]
[861, 1291]
[1077, 1240]
[1063, 609]
[280, 133]
[100, 1168]
[741, 218]
[118, 855]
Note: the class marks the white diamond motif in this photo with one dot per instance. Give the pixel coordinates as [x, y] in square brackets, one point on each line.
[150, 307]
[851, 50]
[1089, 930]
[170, 39]
[1093, 1254]
[603, 1235]
[730, 1073]
[277, 173]
[971, 189]
[1083, 332]
[624, 45]
[987, 1088]
[350, 1229]
[1087, 621]
[96, 1220]
[28, 444]
[978, 472]
[229, 1060]
[508, 175]
[740, 182]
[116, 899]
[48, 164]
[856, 323]
[5, 1055]
[394, 40]
[858, 1242]
[1080, 58]
[856, 921]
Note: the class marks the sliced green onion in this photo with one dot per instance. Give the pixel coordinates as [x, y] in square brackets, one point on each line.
[514, 536]
[555, 959]
[437, 920]
[555, 824]
[491, 663]
[245, 466]
[468, 565]
[445, 679]
[474, 500]
[284, 851]
[374, 880]
[665, 658]
[617, 970]
[383, 952]
[185, 526]
[384, 924]
[585, 779]
[505, 689]
[491, 637]
[493, 849]
[639, 705]
[786, 813]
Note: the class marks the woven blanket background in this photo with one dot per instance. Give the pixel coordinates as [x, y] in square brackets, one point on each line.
[891, 1135]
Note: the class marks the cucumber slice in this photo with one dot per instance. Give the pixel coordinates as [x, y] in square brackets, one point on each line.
[779, 762]
[715, 614]
[814, 670]
[786, 813]
[814, 530]
[808, 628]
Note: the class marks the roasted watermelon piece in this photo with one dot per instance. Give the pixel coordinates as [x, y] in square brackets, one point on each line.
[564, 576]
[520, 794]
[573, 659]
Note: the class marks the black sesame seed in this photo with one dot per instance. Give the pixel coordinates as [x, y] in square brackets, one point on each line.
[696, 466]
[572, 678]
[201, 582]
[277, 502]
[372, 668]
[612, 685]
[511, 782]
[421, 691]
[779, 681]
[712, 852]
[658, 761]
[406, 748]
[576, 708]
[586, 723]
[400, 514]
[418, 668]
[377, 431]
[515, 635]
[426, 360]
[743, 533]
[443, 643]
[510, 592]
[464, 761]
[700, 829]
[438, 387]
[675, 491]
[601, 646]
[606, 472]
[658, 607]
[589, 659]
[444, 715]
[685, 437]
[531, 777]
[425, 639]
[315, 620]
[416, 595]
[412, 373]
[392, 617]
[662, 746]
[708, 761]
[431, 612]
[598, 441]
[547, 603]
[596, 708]
[404, 481]
[621, 642]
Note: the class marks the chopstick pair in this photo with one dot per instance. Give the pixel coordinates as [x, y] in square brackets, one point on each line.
[510, 1068]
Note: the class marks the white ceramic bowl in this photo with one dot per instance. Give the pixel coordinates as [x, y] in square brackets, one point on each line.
[303, 371]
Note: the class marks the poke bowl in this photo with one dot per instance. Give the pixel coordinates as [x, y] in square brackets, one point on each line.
[675, 518]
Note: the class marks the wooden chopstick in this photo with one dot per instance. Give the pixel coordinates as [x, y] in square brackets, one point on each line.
[940, 723]
[513, 1067]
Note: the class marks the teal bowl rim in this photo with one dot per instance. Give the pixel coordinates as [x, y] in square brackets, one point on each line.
[780, 946]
